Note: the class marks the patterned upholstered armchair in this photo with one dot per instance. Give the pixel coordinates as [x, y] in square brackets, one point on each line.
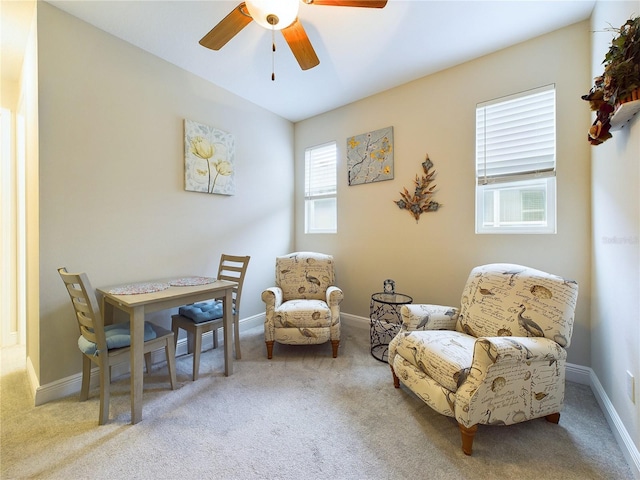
[304, 306]
[497, 360]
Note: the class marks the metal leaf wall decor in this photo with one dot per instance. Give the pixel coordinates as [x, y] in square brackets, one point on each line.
[421, 200]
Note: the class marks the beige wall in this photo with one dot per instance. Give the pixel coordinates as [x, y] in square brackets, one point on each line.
[111, 181]
[431, 259]
[615, 321]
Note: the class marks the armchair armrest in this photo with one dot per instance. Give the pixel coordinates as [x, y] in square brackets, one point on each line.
[511, 350]
[334, 296]
[418, 316]
[529, 371]
[428, 317]
[272, 296]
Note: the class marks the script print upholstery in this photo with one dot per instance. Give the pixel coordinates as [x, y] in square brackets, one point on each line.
[500, 358]
[304, 306]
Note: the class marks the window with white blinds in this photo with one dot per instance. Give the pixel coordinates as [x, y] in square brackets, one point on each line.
[320, 189]
[516, 163]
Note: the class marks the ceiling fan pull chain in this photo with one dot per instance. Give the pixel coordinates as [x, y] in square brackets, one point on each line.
[273, 54]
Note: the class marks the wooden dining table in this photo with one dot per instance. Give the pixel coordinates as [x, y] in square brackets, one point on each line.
[137, 305]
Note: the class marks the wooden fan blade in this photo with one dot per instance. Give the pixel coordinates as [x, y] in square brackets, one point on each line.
[300, 45]
[350, 3]
[228, 27]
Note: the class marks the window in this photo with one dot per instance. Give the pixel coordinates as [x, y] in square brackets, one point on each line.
[516, 163]
[320, 189]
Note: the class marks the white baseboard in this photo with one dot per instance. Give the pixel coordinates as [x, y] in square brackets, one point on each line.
[355, 321]
[574, 373]
[629, 450]
[578, 374]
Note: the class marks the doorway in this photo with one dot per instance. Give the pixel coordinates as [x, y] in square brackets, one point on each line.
[12, 236]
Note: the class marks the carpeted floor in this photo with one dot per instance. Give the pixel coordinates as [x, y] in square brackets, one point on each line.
[301, 415]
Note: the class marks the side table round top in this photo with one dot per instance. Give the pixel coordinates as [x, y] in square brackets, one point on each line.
[391, 298]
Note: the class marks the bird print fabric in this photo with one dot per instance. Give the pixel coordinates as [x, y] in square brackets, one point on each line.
[520, 301]
[501, 357]
[304, 306]
[304, 275]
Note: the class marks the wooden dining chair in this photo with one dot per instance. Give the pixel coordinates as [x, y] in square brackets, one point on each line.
[109, 345]
[199, 318]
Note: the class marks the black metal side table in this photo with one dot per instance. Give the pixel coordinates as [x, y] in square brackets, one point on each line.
[384, 313]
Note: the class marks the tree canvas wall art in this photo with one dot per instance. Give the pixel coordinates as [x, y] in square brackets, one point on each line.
[370, 157]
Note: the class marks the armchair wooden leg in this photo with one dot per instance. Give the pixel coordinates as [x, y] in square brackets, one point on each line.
[553, 417]
[334, 346]
[467, 434]
[269, 349]
[396, 380]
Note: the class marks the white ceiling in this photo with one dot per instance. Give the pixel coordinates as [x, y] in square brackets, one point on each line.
[362, 51]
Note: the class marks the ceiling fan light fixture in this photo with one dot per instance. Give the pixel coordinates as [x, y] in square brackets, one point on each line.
[273, 14]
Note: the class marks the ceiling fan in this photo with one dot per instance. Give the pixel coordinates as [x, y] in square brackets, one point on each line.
[277, 15]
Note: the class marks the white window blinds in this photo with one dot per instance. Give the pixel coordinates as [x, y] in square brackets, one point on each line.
[515, 137]
[320, 171]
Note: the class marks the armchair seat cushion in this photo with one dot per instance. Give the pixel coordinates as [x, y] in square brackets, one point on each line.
[303, 314]
[445, 356]
[202, 312]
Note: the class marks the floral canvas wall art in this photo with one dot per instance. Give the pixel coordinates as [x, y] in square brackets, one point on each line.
[209, 159]
[370, 157]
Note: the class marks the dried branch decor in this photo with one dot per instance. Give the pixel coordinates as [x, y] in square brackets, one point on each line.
[421, 200]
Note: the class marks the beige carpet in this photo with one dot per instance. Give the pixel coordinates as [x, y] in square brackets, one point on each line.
[302, 415]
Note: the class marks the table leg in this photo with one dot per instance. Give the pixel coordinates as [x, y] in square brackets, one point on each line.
[137, 362]
[107, 312]
[228, 329]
